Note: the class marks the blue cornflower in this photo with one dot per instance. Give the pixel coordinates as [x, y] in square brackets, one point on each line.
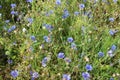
[110, 53]
[13, 12]
[44, 61]
[48, 27]
[29, 1]
[65, 14]
[10, 61]
[13, 5]
[0, 6]
[61, 55]
[7, 21]
[68, 60]
[113, 32]
[12, 28]
[35, 75]
[111, 78]
[100, 54]
[70, 39]
[66, 77]
[33, 38]
[49, 13]
[85, 75]
[111, 19]
[73, 46]
[115, 1]
[81, 6]
[76, 13]
[14, 73]
[47, 39]
[58, 2]
[113, 47]
[88, 67]
[31, 49]
[30, 20]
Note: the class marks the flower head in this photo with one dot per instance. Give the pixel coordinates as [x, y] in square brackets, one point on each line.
[111, 19]
[67, 60]
[14, 73]
[44, 61]
[58, 2]
[113, 47]
[88, 67]
[70, 39]
[13, 5]
[12, 28]
[35, 75]
[76, 13]
[66, 77]
[47, 39]
[32, 38]
[10, 61]
[30, 20]
[110, 53]
[65, 14]
[7, 21]
[115, 1]
[48, 27]
[29, 1]
[73, 46]
[85, 75]
[13, 12]
[81, 6]
[111, 78]
[100, 54]
[0, 6]
[61, 55]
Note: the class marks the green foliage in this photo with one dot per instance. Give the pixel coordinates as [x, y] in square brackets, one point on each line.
[48, 23]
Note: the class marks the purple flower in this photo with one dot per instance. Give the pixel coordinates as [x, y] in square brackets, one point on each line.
[48, 27]
[85, 75]
[88, 67]
[65, 14]
[115, 1]
[100, 54]
[81, 6]
[47, 39]
[73, 46]
[14, 73]
[113, 48]
[49, 13]
[70, 39]
[13, 12]
[12, 28]
[61, 55]
[113, 32]
[111, 78]
[66, 77]
[58, 2]
[29, 1]
[32, 38]
[110, 53]
[10, 61]
[35, 75]
[76, 13]
[111, 19]
[30, 20]
[44, 61]
[0, 6]
[7, 21]
[13, 5]
[68, 60]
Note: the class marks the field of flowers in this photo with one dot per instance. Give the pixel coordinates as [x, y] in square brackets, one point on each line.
[59, 39]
